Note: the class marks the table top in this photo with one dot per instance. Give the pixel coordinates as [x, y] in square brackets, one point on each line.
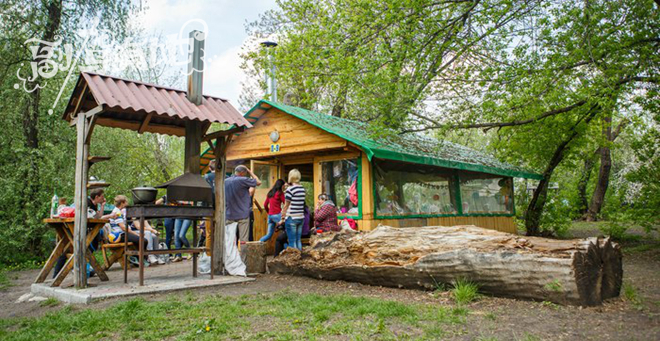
[72, 219]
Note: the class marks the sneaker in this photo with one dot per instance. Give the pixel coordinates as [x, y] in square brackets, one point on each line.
[134, 261]
[176, 259]
[153, 259]
[160, 261]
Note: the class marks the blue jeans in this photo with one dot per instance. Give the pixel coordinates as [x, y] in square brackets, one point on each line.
[294, 232]
[272, 222]
[169, 231]
[180, 229]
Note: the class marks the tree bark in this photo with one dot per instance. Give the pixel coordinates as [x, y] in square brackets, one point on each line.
[598, 197]
[589, 163]
[535, 207]
[578, 272]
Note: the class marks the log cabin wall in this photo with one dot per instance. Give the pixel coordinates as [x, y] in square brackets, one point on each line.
[303, 143]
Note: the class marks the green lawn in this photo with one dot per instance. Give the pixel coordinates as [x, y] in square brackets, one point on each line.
[281, 316]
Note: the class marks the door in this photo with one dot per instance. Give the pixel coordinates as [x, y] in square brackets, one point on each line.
[267, 172]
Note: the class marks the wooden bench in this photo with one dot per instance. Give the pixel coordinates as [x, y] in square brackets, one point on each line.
[117, 254]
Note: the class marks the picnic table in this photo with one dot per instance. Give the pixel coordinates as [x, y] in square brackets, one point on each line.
[64, 229]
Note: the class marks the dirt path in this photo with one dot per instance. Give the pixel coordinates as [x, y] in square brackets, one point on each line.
[489, 318]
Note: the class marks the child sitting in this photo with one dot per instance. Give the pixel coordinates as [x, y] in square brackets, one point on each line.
[118, 225]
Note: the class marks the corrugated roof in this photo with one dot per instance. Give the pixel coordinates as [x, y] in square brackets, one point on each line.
[407, 148]
[122, 95]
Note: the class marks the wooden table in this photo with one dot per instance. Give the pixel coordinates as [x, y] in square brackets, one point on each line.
[64, 229]
[142, 212]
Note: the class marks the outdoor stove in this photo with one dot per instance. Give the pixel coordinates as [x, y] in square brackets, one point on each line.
[188, 187]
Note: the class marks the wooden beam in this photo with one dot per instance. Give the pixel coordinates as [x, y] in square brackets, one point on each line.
[192, 148]
[91, 112]
[90, 128]
[80, 201]
[135, 126]
[220, 133]
[79, 102]
[218, 242]
[145, 123]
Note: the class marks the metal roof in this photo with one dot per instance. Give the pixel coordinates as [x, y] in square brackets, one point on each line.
[407, 148]
[133, 101]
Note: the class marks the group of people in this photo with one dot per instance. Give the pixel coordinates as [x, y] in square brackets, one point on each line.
[285, 204]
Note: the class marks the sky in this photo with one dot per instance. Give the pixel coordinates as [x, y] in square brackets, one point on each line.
[226, 34]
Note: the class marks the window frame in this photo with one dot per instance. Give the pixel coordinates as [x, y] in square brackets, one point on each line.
[459, 210]
[340, 157]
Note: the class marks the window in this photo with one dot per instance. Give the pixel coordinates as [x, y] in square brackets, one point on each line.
[484, 193]
[410, 189]
[339, 180]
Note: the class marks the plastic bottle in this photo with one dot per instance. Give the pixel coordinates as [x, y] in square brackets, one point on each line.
[53, 205]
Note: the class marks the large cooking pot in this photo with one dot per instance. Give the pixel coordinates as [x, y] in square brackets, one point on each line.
[144, 195]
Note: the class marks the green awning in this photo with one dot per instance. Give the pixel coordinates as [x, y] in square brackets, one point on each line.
[411, 148]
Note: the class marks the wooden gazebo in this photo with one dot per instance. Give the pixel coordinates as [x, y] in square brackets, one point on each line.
[141, 107]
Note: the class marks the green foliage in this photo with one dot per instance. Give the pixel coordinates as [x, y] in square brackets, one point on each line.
[464, 291]
[555, 219]
[542, 78]
[4, 281]
[285, 315]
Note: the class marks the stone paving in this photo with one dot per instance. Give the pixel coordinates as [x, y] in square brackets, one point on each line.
[157, 278]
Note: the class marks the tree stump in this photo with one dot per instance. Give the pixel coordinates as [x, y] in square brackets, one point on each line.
[254, 256]
[578, 272]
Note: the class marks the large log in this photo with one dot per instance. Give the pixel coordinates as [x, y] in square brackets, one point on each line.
[578, 272]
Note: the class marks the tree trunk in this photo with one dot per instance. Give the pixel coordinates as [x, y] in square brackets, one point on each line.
[583, 183]
[598, 198]
[578, 272]
[535, 207]
[31, 128]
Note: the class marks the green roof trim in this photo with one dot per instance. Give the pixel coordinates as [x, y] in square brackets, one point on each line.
[410, 148]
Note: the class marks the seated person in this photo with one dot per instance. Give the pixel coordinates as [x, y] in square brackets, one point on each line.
[282, 240]
[325, 215]
[151, 235]
[118, 224]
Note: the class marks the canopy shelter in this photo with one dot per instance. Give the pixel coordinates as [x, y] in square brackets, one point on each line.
[142, 107]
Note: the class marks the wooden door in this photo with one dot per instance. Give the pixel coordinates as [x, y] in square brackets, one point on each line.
[267, 172]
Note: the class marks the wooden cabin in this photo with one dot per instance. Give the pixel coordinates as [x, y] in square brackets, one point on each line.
[401, 181]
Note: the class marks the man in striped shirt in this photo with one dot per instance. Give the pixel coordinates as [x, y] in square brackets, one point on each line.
[293, 214]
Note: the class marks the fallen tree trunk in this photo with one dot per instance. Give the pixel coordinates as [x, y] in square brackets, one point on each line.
[578, 272]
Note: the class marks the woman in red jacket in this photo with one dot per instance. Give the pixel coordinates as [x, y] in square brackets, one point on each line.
[325, 216]
[273, 206]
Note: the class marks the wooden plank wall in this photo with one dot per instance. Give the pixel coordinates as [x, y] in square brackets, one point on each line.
[260, 228]
[296, 136]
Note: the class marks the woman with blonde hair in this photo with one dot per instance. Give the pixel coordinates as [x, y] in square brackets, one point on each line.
[293, 213]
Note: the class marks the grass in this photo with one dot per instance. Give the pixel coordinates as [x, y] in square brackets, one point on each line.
[282, 316]
[50, 302]
[630, 295]
[464, 291]
[5, 283]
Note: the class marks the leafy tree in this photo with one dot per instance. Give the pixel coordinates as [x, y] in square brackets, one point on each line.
[545, 79]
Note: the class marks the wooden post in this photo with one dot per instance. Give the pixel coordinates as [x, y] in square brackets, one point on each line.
[193, 145]
[80, 200]
[217, 256]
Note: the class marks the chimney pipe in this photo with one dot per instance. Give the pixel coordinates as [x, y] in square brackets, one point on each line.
[271, 81]
[196, 66]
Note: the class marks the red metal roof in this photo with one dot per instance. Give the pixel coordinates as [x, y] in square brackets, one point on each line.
[118, 94]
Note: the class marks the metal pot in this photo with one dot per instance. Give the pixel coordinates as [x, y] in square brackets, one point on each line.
[144, 195]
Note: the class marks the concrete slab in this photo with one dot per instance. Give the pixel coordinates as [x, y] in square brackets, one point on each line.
[163, 278]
